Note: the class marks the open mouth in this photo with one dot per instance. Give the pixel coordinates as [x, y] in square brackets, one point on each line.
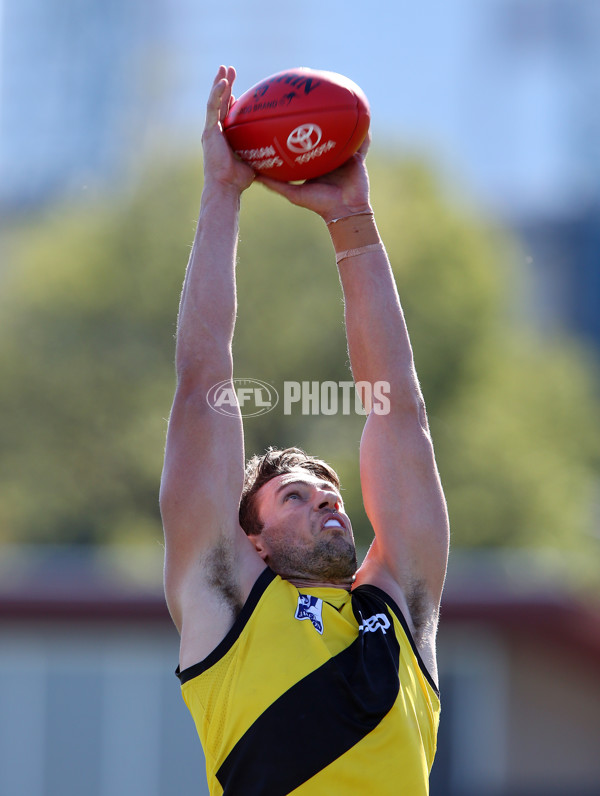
[334, 522]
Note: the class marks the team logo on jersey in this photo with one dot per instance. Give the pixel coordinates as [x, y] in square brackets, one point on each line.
[310, 607]
[374, 623]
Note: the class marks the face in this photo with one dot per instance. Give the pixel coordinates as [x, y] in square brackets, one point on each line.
[306, 535]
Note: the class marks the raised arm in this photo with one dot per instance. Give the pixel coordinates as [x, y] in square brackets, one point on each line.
[209, 563]
[401, 488]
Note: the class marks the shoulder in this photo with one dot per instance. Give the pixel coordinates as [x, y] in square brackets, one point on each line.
[193, 662]
[415, 611]
[207, 599]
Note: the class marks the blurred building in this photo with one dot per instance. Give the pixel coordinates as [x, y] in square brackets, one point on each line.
[89, 700]
[77, 88]
[532, 125]
[520, 689]
[90, 704]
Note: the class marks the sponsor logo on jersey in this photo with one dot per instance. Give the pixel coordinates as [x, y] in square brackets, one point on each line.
[374, 623]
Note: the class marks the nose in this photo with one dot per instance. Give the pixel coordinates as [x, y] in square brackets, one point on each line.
[327, 500]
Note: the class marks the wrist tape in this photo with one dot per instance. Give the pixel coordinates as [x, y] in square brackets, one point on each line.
[356, 252]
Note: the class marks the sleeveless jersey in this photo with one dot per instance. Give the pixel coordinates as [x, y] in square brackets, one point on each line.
[315, 692]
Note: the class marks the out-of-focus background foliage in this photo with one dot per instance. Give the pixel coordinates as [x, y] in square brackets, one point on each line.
[483, 168]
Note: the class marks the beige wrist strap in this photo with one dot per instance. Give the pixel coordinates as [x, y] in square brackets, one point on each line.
[352, 215]
[339, 256]
[351, 233]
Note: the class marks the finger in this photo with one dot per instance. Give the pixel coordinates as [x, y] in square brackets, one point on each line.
[230, 75]
[214, 99]
[225, 101]
[286, 189]
[282, 188]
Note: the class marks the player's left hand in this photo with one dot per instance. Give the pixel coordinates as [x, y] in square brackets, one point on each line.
[340, 193]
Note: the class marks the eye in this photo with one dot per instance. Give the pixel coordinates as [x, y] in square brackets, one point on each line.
[291, 495]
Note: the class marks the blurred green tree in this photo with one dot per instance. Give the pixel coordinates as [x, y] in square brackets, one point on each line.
[87, 321]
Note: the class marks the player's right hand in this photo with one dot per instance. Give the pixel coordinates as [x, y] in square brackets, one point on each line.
[220, 164]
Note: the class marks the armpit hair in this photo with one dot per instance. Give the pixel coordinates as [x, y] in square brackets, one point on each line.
[220, 574]
[423, 614]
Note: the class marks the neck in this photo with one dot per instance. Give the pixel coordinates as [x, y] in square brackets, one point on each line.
[309, 583]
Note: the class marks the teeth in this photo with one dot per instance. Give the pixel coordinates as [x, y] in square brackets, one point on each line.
[333, 524]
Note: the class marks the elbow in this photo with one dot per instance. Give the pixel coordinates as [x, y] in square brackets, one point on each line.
[403, 403]
[398, 393]
[200, 372]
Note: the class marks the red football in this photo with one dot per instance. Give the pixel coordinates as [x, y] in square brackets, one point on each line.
[298, 124]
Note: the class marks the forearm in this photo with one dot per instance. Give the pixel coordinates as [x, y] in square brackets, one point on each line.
[378, 341]
[208, 300]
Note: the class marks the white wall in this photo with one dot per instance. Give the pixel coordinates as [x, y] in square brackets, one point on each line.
[94, 709]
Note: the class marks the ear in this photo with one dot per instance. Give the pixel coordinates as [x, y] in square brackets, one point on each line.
[259, 545]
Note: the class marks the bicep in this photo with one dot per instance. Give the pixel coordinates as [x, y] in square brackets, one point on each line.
[201, 481]
[210, 564]
[405, 504]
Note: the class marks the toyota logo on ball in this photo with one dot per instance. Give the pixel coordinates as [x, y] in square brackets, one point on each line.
[304, 138]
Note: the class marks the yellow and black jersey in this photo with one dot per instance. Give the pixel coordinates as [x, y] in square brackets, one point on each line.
[315, 692]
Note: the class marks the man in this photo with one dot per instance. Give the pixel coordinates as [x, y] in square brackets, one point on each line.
[302, 674]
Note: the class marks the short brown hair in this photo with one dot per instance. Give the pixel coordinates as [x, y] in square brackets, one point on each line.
[272, 463]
